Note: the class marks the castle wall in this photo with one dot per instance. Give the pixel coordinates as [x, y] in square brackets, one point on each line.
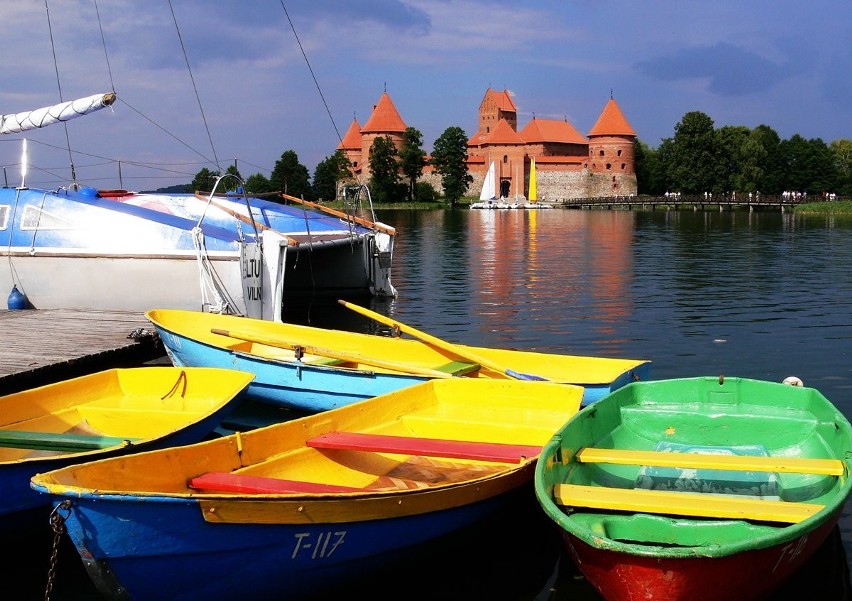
[555, 186]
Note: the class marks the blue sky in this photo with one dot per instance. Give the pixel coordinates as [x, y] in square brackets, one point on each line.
[782, 63]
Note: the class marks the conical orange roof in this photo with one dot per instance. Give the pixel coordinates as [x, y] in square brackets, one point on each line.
[612, 122]
[385, 118]
[352, 139]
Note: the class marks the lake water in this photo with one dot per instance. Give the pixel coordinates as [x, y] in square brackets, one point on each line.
[758, 295]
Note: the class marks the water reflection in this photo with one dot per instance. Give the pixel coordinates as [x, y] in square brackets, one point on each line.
[762, 295]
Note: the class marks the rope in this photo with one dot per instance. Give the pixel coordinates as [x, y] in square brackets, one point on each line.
[316, 83]
[211, 285]
[59, 85]
[194, 87]
[103, 42]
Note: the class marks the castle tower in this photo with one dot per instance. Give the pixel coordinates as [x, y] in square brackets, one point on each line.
[351, 146]
[611, 143]
[384, 121]
[494, 107]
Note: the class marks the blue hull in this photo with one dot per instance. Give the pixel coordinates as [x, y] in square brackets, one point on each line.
[310, 388]
[176, 554]
[19, 501]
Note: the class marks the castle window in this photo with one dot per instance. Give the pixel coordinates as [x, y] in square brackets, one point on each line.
[608, 166]
[602, 153]
[505, 159]
[355, 163]
[619, 152]
[623, 166]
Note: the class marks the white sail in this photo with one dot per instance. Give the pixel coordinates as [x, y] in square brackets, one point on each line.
[64, 111]
[489, 186]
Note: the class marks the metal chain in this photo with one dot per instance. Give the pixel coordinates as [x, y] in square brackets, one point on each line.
[57, 523]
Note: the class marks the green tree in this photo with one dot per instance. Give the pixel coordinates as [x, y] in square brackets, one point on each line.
[259, 184]
[733, 155]
[842, 151]
[449, 158]
[384, 170]
[412, 159]
[771, 166]
[204, 180]
[328, 173]
[694, 159]
[808, 165]
[230, 184]
[649, 177]
[290, 176]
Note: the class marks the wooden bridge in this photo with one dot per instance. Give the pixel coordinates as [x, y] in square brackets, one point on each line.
[697, 202]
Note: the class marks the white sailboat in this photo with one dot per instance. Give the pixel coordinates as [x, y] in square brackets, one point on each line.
[488, 195]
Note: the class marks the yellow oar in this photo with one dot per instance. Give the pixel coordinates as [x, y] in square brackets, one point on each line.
[333, 354]
[441, 344]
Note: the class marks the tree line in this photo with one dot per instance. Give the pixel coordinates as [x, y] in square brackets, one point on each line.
[698, 158]
[702, 158]
[394, 172]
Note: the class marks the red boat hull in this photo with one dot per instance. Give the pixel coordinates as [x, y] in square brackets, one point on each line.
[744, 576]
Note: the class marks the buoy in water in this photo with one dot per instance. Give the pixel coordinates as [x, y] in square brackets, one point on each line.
[793, 381]
[17, 300]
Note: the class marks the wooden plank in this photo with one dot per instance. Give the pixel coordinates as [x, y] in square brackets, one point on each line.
[747, 463]
[431, 447]
[41, 346]
[239, 483]
[682, 503]
[59, 441]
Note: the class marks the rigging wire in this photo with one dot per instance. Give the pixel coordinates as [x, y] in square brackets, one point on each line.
[59, 85]
[103, 42]
[316, 83]
[194, 87]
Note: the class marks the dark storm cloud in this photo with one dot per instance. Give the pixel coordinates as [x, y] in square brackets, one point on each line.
[732, 71]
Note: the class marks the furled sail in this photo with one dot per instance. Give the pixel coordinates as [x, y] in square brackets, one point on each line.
[64, 111]
[533, 195]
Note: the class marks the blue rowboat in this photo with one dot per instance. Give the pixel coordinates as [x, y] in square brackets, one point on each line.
[98, 415]
[316, 369]
[287, 510]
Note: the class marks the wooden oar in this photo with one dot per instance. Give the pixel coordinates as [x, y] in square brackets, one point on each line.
[441, 344]
[333, 354]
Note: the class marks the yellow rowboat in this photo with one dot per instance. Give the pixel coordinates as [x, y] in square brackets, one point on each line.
[316, 369]
[102, 414]
[288, 509]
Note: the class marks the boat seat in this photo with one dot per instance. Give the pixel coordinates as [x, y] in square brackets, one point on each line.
[749, 463]
[431, 447]
[240, 483]
[682, 503]
[458, 368]
[59, 441]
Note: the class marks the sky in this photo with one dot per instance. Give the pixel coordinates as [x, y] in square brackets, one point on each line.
[212, 83]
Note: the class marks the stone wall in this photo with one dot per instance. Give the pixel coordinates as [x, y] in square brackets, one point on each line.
[559, 185]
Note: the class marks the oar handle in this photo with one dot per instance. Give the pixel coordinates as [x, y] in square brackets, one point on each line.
[432, 340]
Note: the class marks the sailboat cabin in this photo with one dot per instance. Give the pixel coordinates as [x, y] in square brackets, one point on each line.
[567, 163]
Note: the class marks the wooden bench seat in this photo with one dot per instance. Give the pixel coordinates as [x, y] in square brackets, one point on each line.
[432, 447]
[58, 441]
[682, 503]
[239, 483]
[829, 467]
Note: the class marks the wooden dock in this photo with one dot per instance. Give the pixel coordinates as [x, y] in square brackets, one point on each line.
[47, 345]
